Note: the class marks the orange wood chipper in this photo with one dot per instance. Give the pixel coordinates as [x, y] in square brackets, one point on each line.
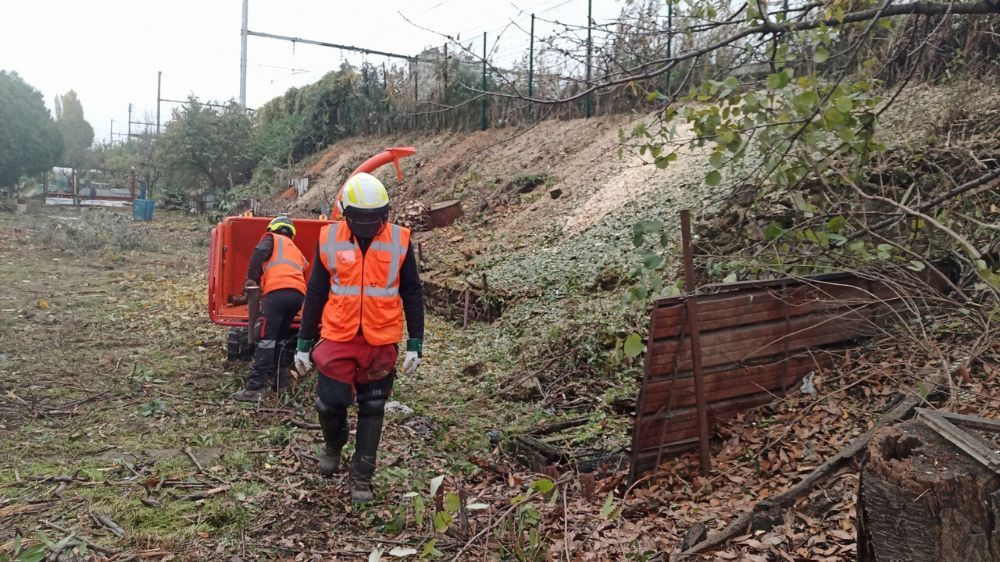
[231, 244]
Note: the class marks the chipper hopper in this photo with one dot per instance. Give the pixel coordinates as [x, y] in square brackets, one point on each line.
[233, 241]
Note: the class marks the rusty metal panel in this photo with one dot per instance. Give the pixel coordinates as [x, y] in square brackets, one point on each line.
[750, 306]
[731, 381]
[756, 340]
[746, 343]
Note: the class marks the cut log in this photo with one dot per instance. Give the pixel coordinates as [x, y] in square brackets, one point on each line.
[922, 498]
[444, 213]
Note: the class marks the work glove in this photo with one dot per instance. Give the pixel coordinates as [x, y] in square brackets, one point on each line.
[303, 362]
[414, 352]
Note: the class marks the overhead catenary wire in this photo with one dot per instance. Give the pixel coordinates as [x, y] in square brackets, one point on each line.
[491, 29]
[560, 47]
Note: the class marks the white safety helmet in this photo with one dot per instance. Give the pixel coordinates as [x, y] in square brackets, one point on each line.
[364, 202]
[363, 191]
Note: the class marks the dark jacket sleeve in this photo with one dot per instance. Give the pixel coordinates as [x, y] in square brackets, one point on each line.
[261, 254]
[412, 293]
[317, 292]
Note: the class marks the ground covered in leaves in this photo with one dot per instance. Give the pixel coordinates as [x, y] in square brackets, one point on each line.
[120, 442]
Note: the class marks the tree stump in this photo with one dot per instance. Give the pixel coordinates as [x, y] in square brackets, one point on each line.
[921, 498]
[444, 213]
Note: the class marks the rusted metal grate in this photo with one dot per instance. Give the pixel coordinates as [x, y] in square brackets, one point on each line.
[755, 339]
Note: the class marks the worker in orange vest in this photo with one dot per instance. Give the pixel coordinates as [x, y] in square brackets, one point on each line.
[365, 282]
[278, 267]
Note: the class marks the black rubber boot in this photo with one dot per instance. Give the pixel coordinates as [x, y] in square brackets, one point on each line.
[370, 416]
[335, 433]
[263, 365]
[262, 368]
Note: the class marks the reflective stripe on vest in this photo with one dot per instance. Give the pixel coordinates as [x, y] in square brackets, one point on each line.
[396, 251]
[330, 250]
[285, 269]
[364, 286]
[280, 259]
[394, 247]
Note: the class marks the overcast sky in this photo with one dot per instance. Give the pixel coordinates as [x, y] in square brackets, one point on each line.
[110, 50]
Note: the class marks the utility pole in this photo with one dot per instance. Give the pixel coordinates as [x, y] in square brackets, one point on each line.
[111, 135]
[482, 121]
[590, 49]
[531, 63]
[243, 58]
[416, 90]
[129, 137]
[159, 76]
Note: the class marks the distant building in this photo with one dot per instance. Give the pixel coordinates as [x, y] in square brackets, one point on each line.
[430, 69]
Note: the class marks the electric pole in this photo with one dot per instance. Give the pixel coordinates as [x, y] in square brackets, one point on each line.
[531, 63]
[590, 48]
[243, 59]
[159, 76]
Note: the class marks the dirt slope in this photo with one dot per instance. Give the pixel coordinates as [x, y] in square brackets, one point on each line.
[577, 221]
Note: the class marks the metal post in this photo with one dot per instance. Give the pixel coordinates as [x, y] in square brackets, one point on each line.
[590, 50]
[670, 43]
[482, 121]
[468, 305]
[531, 63]
[384, 106]
[243, 58]
[704, 449]
[445, 96]
[416, 90]
[368, 97]
[159, 76]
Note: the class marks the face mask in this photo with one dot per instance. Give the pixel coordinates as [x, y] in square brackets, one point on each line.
[365, 226]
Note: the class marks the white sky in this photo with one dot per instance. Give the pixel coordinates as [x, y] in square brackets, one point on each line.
[110, 50]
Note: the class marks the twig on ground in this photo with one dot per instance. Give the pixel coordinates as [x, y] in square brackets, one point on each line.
[90, 544]
[302, 424]
[788, 497]
[190, 455]
[108, 523]
[202, 495]
[201, 469]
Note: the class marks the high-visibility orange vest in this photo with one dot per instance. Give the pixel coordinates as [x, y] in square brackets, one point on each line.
[364, 289]
[286, 267]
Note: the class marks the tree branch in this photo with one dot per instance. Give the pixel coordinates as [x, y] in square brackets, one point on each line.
[665, 64]
[969, 248]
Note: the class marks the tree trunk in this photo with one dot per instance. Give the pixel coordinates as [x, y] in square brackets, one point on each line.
[923, 499]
